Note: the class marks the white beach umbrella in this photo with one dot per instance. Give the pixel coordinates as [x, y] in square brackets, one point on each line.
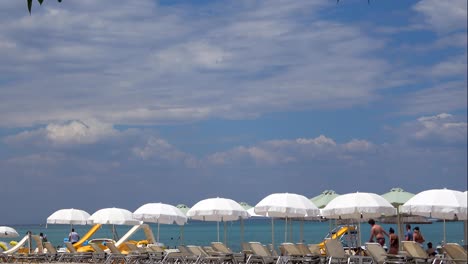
[219, 210]
[160, 213]
[113, 216]
[443, 204]
[358, 206]
[437, 203]
[8, 232]
[69, 217]
[286, 205]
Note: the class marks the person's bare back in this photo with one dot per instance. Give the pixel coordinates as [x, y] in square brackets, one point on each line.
[378, 232]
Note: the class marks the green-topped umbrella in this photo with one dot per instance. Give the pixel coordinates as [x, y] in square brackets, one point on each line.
[184, 208]
[246, 206]
[324, 198]
[397, 197]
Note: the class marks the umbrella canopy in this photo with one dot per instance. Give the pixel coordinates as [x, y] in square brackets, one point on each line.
[358, 205]
[286, 205]
[113, 216]
[183, 208]
[8, 232]
[245, 205]
[217, 209]
[324, 198]
[397, 196]
[69, 216]
[160, 213]
[252, 213]
[437, 203]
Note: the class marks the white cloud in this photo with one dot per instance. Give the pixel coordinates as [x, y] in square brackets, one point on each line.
[170, 65]
[444, 16]
[441, 127]
[444, 97]
[66, 134]
[275, 152]
[159, 150]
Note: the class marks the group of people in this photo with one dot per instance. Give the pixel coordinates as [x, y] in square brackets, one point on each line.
[415, 235]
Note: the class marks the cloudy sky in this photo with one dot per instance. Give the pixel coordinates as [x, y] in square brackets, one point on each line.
[117, 105]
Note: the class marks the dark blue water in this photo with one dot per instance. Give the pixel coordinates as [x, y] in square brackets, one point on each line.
[202, 233]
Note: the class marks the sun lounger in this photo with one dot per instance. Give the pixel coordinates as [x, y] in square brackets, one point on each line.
[455, 253]
[419, 255]
[336, 253]
[260, 253]
[222, 248]
[75, 256]
[213, 258]
[136, 254]
[98, 255]
[115, 255]
[380, 256]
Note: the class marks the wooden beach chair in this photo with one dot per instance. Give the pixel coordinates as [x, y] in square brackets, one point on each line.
[380, 256]
[455, 253]
[222, 248]
[115, 255]
[261, 254]
[418, 253]
[336, 253]
[207, 258]
[75, 256]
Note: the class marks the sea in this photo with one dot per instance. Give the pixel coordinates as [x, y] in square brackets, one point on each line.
[202, 233]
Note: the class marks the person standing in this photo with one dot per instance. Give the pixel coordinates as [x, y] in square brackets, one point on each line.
[73, 237]
[393, 242]
[417, 236]
[409, 233]
[378, 232]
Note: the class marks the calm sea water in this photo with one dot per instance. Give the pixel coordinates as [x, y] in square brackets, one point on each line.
[202, 233]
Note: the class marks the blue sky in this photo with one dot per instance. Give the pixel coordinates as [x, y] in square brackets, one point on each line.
[106, 105]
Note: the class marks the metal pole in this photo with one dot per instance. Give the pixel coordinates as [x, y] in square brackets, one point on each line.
[225, 233]
[217, 225]
[272, 232]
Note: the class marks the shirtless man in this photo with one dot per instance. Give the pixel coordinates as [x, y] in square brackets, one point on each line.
[378, 232]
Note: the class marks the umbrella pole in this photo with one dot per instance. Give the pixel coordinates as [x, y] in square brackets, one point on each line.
[302, 231]
[465, 228]
[400, 234]
[158, 231]
[272, 232]
[445, 239]
[182, 235]
[242, 230]
[217, 225]
[225, 233]
[286, 229]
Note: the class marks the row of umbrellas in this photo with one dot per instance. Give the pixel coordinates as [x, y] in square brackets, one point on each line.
[438, 203]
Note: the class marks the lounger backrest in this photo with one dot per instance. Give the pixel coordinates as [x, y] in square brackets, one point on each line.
[414, 249]
[132, 247]
[376, 251]
[334, 248]
[197, 250]
[113, 249]
[50, 248]
[259, 249]
[219, 246]
[314, 249]
[291, 249]
[156, 248]
[96, 248]
[184, 249]
[455, 251]
[303, 249]
[246, 247]
[70, 247]
[37, 239]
